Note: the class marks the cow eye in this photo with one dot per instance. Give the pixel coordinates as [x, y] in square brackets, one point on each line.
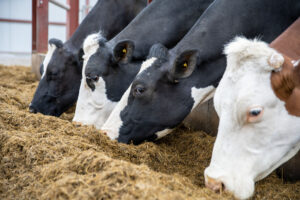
[138, 90]
[254, 114]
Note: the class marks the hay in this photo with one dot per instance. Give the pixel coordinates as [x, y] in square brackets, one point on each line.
[44, 157]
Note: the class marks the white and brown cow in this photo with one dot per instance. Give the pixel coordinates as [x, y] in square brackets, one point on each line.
[258, 102]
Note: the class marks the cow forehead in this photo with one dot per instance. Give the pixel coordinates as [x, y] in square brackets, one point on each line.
[90, 47]
[248, 71]
[245, 55]
[146, 64]
[51, 50]
[248, 90]
[91, 44]
[145, 71]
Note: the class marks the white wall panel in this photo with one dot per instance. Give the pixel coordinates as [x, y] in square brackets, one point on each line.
[16, 37]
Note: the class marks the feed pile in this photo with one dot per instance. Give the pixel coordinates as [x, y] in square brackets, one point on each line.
[44, 157]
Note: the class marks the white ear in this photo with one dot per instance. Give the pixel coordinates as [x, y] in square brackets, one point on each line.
[276, 60]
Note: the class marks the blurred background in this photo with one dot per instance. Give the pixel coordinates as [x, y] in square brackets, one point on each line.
[16, 28]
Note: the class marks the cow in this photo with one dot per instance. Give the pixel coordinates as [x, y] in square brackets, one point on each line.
[258, 102]
[110, 66]
[169, 88]
[61, 69]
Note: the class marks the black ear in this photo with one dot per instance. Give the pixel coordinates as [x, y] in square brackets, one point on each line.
[184, 64]
[123, 51]
[58, 43]
[159, 51]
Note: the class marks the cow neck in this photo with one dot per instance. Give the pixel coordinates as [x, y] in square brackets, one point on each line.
[286, 82]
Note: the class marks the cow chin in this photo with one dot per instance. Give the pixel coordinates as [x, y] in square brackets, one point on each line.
[137, 134]
[49, 109]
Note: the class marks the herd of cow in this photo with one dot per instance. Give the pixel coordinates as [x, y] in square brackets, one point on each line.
[138, 71]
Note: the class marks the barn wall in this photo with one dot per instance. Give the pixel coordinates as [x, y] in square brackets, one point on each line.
[16, 37]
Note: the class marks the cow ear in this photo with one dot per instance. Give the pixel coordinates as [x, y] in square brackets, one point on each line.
[184, 65]
[123, 51]
[58, 43]
[159, 51]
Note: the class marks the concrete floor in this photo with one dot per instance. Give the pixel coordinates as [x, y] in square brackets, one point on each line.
[10, 59]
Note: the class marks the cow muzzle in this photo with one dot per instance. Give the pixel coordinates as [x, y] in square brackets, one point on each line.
[32, 109]
[214, 184]
[91, 80]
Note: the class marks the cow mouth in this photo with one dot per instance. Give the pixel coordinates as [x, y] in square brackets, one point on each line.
[33, 109]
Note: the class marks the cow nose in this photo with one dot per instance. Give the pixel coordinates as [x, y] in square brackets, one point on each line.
[215, 185]
[93, 78]
[90, 80]
[32, 109]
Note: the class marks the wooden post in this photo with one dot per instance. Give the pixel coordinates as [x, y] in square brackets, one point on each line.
[72, 17]
[39, 26]
[203, 118]
[87, 7]
[39, 34]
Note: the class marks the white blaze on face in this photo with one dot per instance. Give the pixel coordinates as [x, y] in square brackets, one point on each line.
[51, 49]
[250, 146]
[93, 107]
[113, 123]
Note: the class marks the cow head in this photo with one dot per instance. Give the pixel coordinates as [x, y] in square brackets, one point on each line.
[160, 97]
[108, 71]
[59, 84]
[256, 133]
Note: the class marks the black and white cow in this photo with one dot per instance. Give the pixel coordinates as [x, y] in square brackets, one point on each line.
[168, 89]
[110, 66]
[61, 70]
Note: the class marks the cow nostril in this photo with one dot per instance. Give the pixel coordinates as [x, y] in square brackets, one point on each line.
[93, 78]
[215, 185]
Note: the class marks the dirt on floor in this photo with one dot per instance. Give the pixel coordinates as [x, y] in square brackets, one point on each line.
[43, 157]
